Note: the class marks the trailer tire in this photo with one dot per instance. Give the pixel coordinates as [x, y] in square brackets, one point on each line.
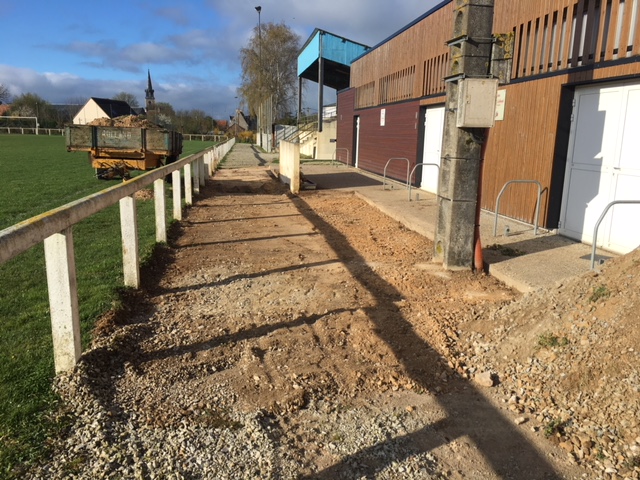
[104, 173]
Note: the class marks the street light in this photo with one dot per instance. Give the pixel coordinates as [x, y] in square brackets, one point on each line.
[260, 119]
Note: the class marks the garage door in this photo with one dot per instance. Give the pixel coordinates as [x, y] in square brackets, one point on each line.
[603, 165]
[433, 125]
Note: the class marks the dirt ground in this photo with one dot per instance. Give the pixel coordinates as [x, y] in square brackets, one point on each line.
[288, 302]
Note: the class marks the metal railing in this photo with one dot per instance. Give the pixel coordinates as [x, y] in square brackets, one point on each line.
[595, 229]
[384, 176]
[495, 221]
[414, 169]
[334, 156]
[54, 228]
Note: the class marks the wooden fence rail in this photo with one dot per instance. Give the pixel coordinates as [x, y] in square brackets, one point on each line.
[55, 229]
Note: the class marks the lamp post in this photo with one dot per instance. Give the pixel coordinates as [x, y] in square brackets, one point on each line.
[260, 119]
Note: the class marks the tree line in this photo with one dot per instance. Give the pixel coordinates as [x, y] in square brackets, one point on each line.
[57, 116]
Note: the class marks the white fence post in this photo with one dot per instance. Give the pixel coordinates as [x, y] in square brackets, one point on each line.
[160, 204]
[195, 169]
[177, 194]
[203, 173]
[188, 184]
[208, 160]
[130, 254]
[63, 299]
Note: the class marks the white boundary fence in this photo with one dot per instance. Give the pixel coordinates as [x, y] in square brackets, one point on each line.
[54, 228]
[31, 131]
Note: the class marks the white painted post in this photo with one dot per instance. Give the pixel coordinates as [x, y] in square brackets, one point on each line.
[195, 168]
[63, 299]
[188, 184]
[203, 171]
[160, 209]
[209, 162]
[177, 194]
[130, 253]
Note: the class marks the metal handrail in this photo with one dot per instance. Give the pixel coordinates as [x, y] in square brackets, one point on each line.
[595, 229]
[333, 158]
[414, 169]
[495, 221]
[384, 177]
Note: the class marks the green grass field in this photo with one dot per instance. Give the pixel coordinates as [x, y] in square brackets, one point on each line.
[39, 174]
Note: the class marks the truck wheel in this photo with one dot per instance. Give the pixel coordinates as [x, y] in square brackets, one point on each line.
[104, 173]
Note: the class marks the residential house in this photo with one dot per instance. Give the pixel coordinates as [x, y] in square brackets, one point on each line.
[102, 108]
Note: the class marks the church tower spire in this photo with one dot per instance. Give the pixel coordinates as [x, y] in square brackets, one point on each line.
[150, 99]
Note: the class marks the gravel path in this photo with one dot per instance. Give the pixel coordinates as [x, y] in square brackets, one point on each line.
[299, 337]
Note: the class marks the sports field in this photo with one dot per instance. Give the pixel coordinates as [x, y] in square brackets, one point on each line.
[38, 174]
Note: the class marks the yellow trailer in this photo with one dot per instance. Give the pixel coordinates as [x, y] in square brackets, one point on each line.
[115, 151]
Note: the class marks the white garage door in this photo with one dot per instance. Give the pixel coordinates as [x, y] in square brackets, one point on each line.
[603, 165]
[433, 126]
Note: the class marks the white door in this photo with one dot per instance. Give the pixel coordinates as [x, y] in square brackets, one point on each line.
[356, 155]
[603, 165]
[431, 151]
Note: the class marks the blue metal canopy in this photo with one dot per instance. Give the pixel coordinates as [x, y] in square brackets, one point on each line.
[336, 54]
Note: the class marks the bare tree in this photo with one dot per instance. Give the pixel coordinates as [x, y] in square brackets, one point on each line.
[4, 94]
[269, 68]
[129, 98]
[166, 115]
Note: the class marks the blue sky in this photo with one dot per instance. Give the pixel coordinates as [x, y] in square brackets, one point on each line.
[69, 50]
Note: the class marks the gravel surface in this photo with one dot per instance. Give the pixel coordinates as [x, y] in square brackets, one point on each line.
[311, 337]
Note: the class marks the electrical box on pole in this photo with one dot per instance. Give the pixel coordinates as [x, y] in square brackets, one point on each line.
[477, 102]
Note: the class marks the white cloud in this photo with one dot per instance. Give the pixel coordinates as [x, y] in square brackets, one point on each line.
[183, 94]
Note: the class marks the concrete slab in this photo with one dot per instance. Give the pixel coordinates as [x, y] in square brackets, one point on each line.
[520, 259]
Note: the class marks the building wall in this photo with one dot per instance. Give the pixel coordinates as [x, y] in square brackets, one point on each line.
[344, 144]
[557, 46]
[398, 138]
[409, 66]
[88, 113]
[325, 148]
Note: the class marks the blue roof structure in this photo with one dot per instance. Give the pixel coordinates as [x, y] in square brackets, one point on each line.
[337, 54]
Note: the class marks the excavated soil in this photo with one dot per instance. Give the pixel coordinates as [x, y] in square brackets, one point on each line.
[296, 305]
[123, 121]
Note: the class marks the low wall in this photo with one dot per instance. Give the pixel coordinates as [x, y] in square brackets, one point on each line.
[290, 165]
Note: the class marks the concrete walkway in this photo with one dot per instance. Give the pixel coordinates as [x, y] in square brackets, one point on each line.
[520, 259]
[244, 155]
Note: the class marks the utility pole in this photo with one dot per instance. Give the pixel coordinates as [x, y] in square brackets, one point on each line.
[261, 104]
[468, 89]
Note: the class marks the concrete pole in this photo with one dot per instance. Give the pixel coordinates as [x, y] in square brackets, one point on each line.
[320, 84]
[470, 52]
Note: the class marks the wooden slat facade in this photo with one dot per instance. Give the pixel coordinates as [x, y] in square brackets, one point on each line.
[419, 50]
[558, 45]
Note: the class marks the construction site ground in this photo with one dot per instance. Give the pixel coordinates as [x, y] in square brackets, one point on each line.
[328, 320]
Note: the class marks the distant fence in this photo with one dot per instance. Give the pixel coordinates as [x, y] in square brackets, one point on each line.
[54, 228]
[60, 131]
[31, 131]
[204, 138]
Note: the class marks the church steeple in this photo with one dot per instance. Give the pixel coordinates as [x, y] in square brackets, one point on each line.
[149, 90]
[151, 100]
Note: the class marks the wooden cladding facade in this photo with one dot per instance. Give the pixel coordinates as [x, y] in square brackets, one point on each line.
[410, 66]
[554, 35]
[558, 45]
